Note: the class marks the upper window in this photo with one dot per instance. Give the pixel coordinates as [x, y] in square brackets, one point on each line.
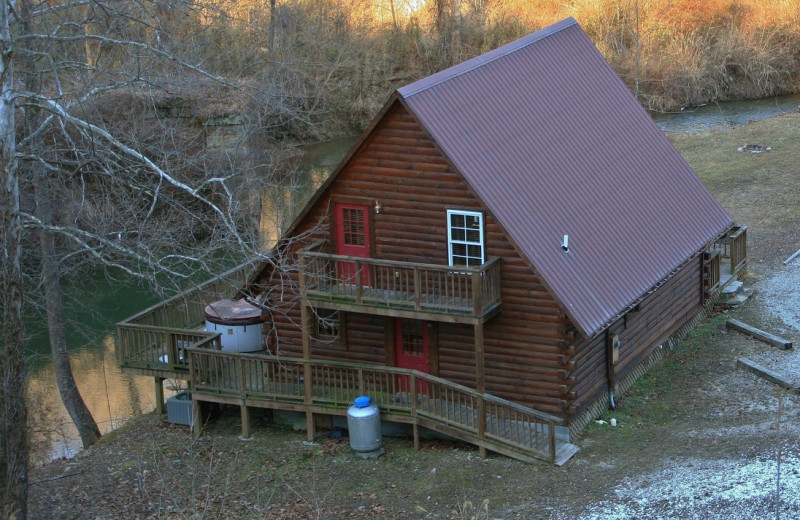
[465, 237]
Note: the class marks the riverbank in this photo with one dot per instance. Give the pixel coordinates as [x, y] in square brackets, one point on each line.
[695, 437]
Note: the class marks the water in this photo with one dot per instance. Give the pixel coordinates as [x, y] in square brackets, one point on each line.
[111, 395]
[719, 116]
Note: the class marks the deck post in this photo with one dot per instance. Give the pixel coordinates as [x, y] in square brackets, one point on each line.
[198, 417]
[480, 378]
[245, 421]
[159, 387]
[305, 323]
[477, 293]
[480, 385]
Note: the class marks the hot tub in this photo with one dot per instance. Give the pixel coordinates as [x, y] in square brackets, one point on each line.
[238, 321]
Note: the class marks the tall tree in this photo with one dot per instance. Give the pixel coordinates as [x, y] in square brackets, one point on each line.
[103, 173]
[13, 439]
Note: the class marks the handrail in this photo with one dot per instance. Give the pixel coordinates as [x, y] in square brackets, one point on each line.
[425, 399]
[178, 304]
[372, 282]
[738, 249]
[155, 338]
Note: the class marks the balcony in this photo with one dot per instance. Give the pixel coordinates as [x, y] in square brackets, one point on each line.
[401, 289]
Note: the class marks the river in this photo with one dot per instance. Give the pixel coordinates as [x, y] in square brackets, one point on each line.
[114, 396]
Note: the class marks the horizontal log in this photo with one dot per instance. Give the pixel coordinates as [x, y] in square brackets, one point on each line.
[769, 375]
[759, 334]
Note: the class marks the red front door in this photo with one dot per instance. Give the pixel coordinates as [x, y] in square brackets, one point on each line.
[352, 239]
[411, 350]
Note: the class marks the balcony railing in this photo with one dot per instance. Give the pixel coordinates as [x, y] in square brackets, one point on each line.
[153, 342]
[371, 283]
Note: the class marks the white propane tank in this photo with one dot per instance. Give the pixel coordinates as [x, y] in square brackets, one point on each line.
[364, 423]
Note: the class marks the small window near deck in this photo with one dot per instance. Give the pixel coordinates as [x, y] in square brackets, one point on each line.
[465, 238]
[328, 326]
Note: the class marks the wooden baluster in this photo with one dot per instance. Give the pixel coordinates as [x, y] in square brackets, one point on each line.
[417, 289]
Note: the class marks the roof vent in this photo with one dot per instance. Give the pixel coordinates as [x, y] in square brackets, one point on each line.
[565, 245]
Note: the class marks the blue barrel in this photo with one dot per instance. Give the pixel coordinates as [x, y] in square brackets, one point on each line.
[364, 425]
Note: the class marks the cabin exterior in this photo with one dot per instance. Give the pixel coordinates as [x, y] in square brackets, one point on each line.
[517, 226]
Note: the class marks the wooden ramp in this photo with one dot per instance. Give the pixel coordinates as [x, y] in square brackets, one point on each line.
[406, 396]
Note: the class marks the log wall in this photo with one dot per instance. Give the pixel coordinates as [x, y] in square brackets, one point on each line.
[649, 325]
[400, 166]
[532, 355]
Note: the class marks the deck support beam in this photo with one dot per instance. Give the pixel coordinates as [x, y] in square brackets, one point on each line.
[159, 387]
[246, 431]
[480, 386]
[305, 323]
[199, 415]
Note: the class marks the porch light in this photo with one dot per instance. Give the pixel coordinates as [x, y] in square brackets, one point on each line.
[378, 206]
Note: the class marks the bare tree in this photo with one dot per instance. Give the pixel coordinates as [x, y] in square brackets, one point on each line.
[107, 178]
[13, 440]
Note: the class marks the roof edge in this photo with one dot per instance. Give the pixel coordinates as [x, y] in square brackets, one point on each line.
[636, 301]
[365, 135]
[478, 61]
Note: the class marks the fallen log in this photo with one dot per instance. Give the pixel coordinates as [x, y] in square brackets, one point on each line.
[795, 255]
[769, 375]
[759, 334]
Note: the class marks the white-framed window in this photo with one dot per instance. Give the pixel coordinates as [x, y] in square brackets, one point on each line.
[465, 238]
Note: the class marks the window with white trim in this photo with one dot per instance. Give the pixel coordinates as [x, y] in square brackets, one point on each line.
[465, 238]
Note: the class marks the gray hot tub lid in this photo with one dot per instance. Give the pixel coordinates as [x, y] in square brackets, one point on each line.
[233, 312]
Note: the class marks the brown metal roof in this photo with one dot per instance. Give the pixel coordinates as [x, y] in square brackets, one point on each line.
[554, 144]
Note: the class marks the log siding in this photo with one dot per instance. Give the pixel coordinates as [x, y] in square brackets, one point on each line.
[640, 331]
[401, 167]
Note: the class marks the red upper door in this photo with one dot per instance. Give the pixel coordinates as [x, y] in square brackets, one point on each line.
[352, 239]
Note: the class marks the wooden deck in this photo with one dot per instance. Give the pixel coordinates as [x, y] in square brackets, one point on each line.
[166, 341]
[402, 289]
[407, 396]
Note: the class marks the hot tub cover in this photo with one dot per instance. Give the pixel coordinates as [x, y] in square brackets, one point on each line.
[233, 312]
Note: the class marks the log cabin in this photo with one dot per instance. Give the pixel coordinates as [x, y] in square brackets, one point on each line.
[516, 225]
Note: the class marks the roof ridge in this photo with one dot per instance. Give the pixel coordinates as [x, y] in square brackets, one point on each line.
[471, 64]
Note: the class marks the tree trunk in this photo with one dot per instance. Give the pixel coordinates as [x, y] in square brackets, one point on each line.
[272, 18]
[56, 323]
[455, 38]
[394, 15]
[13, 415]
[50, 269]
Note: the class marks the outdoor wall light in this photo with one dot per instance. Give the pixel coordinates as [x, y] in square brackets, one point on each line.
[378, 206]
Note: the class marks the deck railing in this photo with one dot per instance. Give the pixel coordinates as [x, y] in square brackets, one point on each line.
[733, 248]
[711, 272]
[146, 347]
[155, 339]
[370, 282]
[738, 249]
[432, 402]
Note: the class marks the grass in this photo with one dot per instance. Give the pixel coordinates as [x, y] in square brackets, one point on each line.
[745, 182]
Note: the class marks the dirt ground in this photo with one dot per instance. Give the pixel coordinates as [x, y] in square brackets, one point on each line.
[695, 437]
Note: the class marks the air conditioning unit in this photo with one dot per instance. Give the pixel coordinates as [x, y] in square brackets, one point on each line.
[179, 409]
